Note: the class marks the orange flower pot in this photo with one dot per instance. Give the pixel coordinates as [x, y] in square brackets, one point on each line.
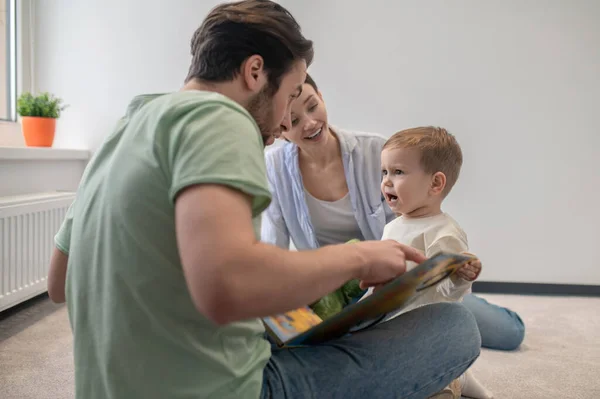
[38, 132]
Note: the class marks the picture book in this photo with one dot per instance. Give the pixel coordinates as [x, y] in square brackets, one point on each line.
[303, 327]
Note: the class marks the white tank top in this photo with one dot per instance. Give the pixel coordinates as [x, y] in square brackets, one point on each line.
[333, 222]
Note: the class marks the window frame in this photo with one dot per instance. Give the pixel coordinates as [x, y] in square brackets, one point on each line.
[11, 65]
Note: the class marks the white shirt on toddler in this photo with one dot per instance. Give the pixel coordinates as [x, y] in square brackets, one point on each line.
[430, 235]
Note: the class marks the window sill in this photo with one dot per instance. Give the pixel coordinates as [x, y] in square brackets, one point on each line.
[40, 153]
[12, 147]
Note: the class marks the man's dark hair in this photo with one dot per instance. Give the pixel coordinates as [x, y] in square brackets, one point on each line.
[234, 31]
[309, 80]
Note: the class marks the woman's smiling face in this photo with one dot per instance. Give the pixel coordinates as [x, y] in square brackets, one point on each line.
[309, 119]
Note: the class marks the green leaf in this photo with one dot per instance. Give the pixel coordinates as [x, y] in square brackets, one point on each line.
[44, 105]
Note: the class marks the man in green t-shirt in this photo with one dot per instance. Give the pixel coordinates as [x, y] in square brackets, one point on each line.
[159, 258]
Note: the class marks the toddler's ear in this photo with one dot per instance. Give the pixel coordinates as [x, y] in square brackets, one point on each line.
[438, 183]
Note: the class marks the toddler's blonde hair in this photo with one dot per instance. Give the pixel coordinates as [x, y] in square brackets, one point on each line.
[440, 152]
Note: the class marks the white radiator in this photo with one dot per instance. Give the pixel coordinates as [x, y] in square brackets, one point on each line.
[28, 224]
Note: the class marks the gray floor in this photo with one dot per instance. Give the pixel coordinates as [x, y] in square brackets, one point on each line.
[35, 352]
[560, 357]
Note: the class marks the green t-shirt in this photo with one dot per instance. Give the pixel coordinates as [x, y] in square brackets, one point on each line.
[136, 331]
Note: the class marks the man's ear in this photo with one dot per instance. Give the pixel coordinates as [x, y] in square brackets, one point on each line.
[253, 73]
[438, 183]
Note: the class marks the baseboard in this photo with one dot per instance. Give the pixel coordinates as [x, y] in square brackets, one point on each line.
[490, 287]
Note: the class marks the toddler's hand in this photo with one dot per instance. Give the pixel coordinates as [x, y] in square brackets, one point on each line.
[470, 271]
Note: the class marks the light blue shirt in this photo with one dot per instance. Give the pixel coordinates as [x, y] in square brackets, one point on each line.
[288, 217]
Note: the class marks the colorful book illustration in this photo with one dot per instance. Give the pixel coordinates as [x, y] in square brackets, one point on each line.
[303, 327]
[288, 325]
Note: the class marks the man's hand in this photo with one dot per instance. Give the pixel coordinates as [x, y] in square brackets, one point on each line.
[471, 270]
[385, 260]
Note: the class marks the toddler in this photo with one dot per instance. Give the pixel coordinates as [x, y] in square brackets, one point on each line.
[420, 166]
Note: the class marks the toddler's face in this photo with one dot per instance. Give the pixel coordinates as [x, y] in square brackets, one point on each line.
[405, 185]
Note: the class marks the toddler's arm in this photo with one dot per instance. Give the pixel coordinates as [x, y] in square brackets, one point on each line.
[453, 288]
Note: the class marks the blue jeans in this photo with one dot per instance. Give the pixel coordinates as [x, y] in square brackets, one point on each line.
[412, 356]
[500, 328]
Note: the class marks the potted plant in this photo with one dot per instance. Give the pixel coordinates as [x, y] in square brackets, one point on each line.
[38, 118]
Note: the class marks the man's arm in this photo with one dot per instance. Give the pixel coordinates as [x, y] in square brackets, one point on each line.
[232, 276]
[57, 272]
[57, 276]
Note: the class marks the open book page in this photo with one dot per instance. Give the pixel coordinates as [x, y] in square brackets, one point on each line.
[408, 305]
[421, 295]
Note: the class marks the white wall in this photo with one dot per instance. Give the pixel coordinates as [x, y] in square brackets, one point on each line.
[25, 171]
[97, 55]
[516, 81]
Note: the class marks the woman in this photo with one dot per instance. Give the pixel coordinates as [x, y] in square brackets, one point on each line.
[326, 190]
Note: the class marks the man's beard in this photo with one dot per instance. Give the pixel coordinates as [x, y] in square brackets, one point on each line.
[261, 108]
